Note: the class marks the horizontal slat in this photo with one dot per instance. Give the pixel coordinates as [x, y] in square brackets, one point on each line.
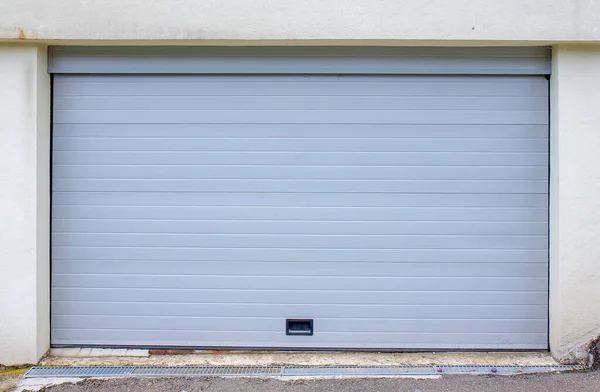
[275, 86]
[250, 131]
[304, 269]
[320, 340]
[364, 144]
[355, 286]
[278, 339]
[301, 158]
[423, 312]
[276, 324]
[453, 88]
[300, 116]
[302, 241]
[294, 60]
[301, 78]
[302, 172]
[302, 255]
[67, 209]
[295, 227]
[311, 200]
[317, 102]
[303, 296]
[302, 186]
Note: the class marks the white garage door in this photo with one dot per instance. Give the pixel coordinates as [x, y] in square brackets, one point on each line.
[300, 210]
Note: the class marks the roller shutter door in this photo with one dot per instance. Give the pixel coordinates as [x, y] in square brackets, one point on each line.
[395, 211]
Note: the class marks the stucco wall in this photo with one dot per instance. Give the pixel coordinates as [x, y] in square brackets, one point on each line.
[24, 210]
[24, 204]
[575, 200]
[406, 20]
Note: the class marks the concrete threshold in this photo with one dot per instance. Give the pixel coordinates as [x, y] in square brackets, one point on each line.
[285, 371]
[124, 357]
[75, 365]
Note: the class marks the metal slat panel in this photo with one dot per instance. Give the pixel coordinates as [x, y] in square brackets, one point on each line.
[172, 145]
[71, 208]
[317, 283]
[251, 131]
[372, 311]
[250, 324]
[365, 102]
[300, 187]
[315, 268]
[300, 255]
[275, 339]
[297, 116]
[439, 297]
[66, 226]
[188, 86]
[305, 172]
[398, 212]
[287, 60]
[297, 241]
[268, 158]
[308, 200]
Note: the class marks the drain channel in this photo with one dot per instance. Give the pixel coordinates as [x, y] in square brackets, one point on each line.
[285, 371]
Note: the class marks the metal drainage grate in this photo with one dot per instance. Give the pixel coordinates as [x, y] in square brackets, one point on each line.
[285, 371]
[194, 371]
[66, 371]
[357, 371]
[421, 370]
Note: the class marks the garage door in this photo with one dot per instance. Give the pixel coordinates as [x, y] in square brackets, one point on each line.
[384, 211]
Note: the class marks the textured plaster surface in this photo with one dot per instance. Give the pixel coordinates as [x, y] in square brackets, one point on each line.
[201, 20]
[24, 204]
[574, 202]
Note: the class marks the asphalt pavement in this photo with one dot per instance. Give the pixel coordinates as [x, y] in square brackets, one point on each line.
[564, 382]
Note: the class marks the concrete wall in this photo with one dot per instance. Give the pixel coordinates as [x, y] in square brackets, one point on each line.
[24, 204]
[575, 200]
[407, 20]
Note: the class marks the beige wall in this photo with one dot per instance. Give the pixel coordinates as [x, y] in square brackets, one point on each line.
[24, 211]
[200, 20]
[575, 200]
[24, 204]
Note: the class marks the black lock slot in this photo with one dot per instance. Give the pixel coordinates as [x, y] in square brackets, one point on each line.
[300, 327]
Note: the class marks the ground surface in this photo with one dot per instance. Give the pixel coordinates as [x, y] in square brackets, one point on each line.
[109, 357]
[566, 382]
[10, 377]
